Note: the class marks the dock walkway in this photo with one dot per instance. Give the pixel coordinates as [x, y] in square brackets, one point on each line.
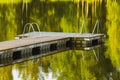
[35, 44]
[14, 44]
[54, 34]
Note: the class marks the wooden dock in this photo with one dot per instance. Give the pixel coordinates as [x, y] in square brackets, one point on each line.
[14, 44]
[85, 36]
[35, 44]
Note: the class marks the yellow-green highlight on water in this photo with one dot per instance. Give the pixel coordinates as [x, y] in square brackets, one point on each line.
[112, 24]
[13, 1]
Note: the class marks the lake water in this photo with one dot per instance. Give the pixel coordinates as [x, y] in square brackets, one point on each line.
[102, 63]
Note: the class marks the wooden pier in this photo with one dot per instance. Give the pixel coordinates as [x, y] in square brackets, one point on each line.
[35, 44]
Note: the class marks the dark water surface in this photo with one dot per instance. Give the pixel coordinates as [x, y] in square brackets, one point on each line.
[102, 63]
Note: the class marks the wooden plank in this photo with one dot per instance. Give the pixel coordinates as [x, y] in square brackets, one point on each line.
[78, 35]
[43, 37]
[26, 41]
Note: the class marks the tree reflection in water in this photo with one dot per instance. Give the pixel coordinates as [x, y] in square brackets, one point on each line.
[64, 16]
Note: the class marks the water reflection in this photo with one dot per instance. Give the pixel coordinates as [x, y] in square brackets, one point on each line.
[67, 65]
[112, 24]
[13, 1]
[66, 17]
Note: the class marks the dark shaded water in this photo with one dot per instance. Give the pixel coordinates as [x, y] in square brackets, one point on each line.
[64, 16]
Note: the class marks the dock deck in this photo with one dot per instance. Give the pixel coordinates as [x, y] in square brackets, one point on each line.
[12, 44]
[35, 44]
[54, 34]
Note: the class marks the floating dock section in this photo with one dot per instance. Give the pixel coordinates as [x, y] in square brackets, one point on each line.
[36, 44]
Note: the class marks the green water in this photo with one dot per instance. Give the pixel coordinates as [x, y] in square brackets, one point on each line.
[64, 16]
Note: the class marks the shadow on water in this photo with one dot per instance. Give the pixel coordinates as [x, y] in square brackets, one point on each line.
[40, 51]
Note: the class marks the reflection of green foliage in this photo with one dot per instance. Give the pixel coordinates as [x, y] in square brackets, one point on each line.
[58, 16]
[51, 18]
[6, 73]
[71, 65]
[13, 1]
[8, 25]
[28, 70]
[113, 17]
[66, 26]
[68, 65]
